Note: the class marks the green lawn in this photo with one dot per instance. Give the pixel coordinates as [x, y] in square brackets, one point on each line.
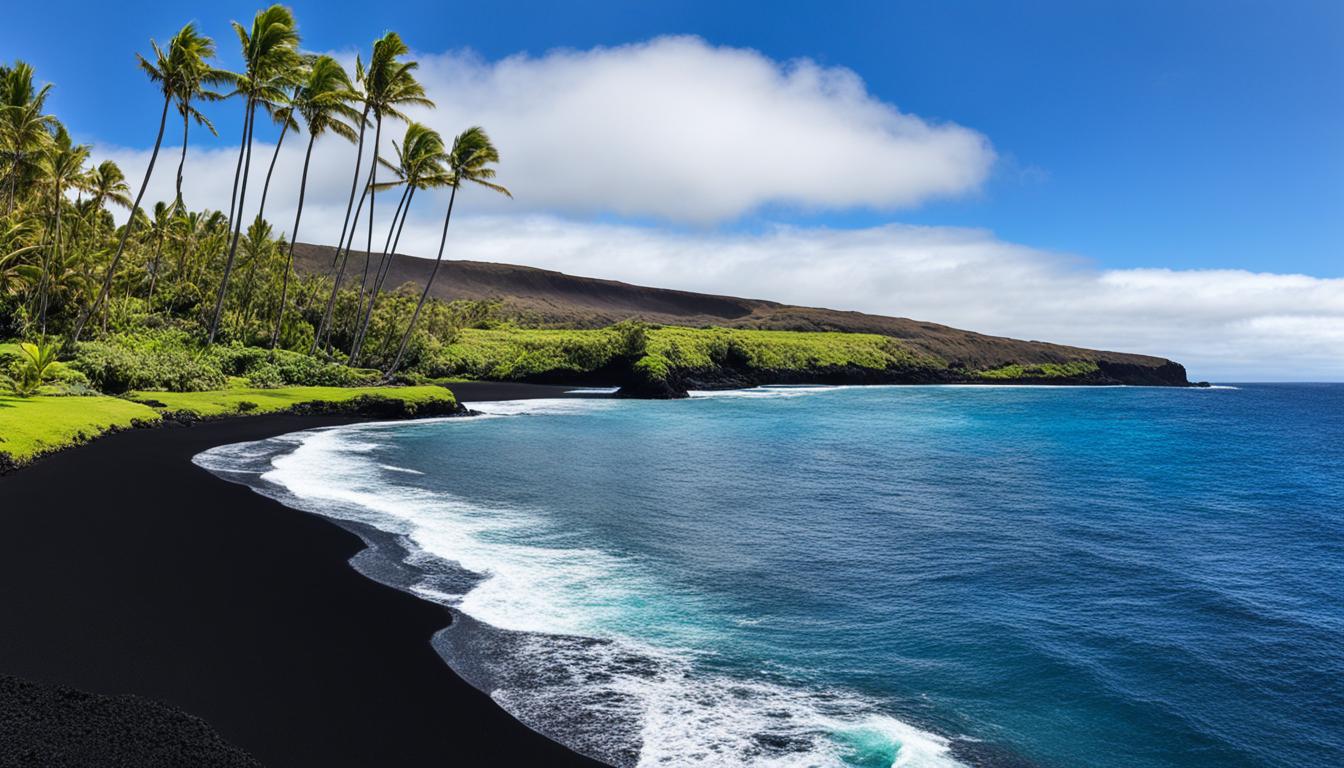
[227, 402]
[34, 425]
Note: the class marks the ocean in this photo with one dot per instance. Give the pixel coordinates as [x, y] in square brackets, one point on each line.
[871, 576]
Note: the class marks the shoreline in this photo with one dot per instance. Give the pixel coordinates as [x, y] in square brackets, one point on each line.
[130, 570]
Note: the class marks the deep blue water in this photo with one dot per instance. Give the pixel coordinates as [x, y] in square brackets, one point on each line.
[874, 576]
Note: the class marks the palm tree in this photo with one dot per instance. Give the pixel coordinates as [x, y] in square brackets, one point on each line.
[62, 167]
[270, 52]
[24, 130]
[324, 101]
[107, 185]
[469, 160]
[388, 85]
[197, 73]
[174, 71]
[420, 165]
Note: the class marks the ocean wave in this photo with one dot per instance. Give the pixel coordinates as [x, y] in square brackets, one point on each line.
[582, 647]
[767, 391]
[403, 470]
[557, 406]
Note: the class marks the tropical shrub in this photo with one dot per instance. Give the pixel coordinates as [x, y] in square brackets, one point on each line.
[33, 367]
[122, 364]
[279, 368]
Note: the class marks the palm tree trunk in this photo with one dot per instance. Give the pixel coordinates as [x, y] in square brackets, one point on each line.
[368, 245]
[289, 258]
[438, 260]
[130, 224]
[265, 188]
[354, 185]
[237, 176]
[154, 272]
[362, 315]
[328, 321]
[54, 257]
[354, 182]
[249, 292]
[250, 124]
[182, 161]
[403, 209]
[13, 183]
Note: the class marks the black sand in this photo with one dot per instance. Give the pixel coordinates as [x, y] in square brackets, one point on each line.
[126, 569]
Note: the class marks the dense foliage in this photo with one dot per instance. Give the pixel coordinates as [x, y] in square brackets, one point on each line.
[655, 351]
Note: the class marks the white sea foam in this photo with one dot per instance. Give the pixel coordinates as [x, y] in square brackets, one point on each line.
[558, 406]
[771, 391]
[403, 470]
[596, 622]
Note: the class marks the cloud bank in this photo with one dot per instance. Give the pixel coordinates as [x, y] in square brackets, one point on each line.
[675, 130]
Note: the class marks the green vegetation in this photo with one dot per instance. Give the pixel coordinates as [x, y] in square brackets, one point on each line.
[33, 425]
[656, 351]
[252, 400]
[690, 348]
[35, 363]
[30, 426]
[1073, 369]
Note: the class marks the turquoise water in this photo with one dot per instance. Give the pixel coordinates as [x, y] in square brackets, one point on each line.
[919, 576]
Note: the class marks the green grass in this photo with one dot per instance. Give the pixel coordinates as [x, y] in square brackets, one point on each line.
[522, 353]
[227, 402]
[693, 348]
[515, 353]
[35, 425]
[1041, 370]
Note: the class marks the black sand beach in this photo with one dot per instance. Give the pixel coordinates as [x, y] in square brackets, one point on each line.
[126, 569]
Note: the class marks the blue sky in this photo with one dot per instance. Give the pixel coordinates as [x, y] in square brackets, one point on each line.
[1175, 134]
[1163, 177]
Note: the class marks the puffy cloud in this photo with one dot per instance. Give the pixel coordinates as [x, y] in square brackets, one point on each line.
[678, 129]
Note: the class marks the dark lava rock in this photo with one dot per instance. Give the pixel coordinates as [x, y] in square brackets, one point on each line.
[57, 727]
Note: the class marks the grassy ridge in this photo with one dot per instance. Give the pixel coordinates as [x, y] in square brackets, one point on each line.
[34, 425]
[1041, 371]
[699, 348]
[31, 426]
[529, 353]
[254, 400]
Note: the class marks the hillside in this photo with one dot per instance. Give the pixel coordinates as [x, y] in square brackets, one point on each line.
[545, 298]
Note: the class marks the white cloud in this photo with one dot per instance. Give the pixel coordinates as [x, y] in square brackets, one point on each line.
[679, 129]
[675, 128]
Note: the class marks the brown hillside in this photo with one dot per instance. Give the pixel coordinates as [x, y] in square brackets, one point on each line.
[547, 298]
